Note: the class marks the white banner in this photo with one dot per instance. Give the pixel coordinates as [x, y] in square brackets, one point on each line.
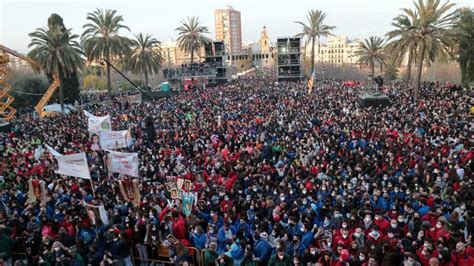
[73, 165]
[98, 123]
[53, 151]
[123, 163]
[111, 140]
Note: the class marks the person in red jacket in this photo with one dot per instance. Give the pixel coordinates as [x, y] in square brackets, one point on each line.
[438, 231]
[179, 226]
[381, 222]
[344, 238]
[375, 235]
[460, 257]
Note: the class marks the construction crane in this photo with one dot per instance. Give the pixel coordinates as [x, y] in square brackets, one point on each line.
[6, 100]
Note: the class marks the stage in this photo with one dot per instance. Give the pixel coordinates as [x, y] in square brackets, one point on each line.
[366, 100]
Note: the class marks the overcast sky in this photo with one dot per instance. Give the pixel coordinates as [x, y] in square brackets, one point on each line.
[353, 18]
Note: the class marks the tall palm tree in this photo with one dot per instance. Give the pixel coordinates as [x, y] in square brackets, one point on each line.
[101, 39]
[57, 51]
[146, 55]
[314, 30]
[191, 35]
[403, 40]
[434, 32]
[371, 52]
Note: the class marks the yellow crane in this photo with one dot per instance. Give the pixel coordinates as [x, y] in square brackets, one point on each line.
[6, 110]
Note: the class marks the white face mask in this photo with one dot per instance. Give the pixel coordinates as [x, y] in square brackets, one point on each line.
[361, 258]
[345, 236]
[393, 225]
[312, 251]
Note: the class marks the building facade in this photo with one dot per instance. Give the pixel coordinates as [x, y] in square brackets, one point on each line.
[338, 50]
[174, 56]
[16, 62]
[229, 29]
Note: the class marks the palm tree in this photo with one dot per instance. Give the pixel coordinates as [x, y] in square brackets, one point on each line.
[57, 51]
[371, 52]
[146, 55]
[191, 35]
[314, 30]
[465, 49]
[101, 39]
[405, 32]
[434, 32]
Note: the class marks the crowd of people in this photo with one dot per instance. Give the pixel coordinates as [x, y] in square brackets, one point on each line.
[282, 178]
[194, 69]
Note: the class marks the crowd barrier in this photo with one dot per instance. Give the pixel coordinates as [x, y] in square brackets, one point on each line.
[160, 255]
[155, 255]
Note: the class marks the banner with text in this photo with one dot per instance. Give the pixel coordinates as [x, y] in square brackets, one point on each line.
[73, 165]
[123, 163]
[111, 140]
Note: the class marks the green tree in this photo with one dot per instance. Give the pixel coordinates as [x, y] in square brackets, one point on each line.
[371, 53]
[93, 82]
[391, 71]
[465, 42]
[57, 51]
[314, 30]
[146, 56]
[28, 89]
[435, 32]
[191, 35]
[101, 39]
[69, 84]
[403, 40]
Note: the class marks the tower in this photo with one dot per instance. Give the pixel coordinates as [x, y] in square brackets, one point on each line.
[264, 41]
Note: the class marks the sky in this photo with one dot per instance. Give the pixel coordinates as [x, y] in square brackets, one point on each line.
[353, 18]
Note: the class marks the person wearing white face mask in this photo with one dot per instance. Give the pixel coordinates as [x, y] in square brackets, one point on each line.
[280, 258]
[375, 235]
[311, 256]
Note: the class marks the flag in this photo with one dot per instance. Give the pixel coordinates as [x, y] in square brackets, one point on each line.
[188, 199]
[311, 82]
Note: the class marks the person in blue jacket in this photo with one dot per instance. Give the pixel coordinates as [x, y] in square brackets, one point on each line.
[306, 238]
[225, 237]
[198, 238]
[261, 249]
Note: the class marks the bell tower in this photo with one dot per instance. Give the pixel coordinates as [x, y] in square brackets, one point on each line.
[264, 41]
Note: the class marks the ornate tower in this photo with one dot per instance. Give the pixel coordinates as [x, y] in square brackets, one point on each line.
[264, 41]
